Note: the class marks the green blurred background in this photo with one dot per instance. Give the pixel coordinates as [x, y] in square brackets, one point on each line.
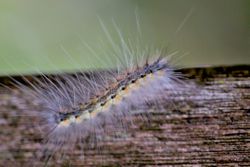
[40, 34]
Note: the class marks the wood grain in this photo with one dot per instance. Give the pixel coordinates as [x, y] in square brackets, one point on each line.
[209, 128]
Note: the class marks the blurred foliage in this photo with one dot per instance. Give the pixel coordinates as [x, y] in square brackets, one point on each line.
[51, 36]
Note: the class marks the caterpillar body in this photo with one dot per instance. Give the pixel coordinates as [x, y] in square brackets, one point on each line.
[80, 109]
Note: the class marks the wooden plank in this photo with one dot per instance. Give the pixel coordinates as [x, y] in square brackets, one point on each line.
[209, 128]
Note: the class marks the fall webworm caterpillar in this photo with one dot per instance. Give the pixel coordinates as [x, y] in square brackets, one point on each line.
[82, 108]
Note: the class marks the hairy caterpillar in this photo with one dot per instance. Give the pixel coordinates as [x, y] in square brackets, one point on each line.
[81, 109]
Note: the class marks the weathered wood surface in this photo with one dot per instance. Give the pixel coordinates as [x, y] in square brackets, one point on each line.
[211, 128]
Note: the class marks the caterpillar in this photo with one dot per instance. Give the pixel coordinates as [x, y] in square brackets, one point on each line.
[80, 109]
[76, 108]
